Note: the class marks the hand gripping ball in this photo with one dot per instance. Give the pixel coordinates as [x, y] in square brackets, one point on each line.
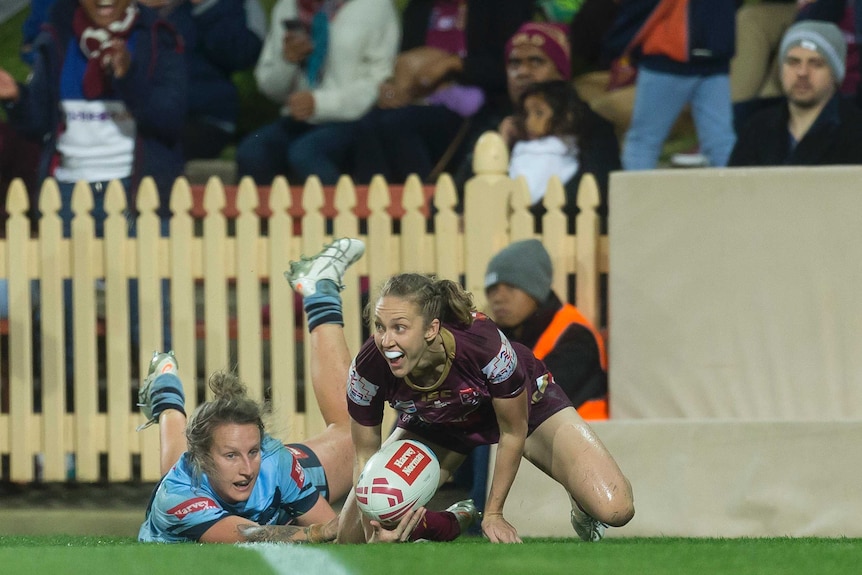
[402, 476]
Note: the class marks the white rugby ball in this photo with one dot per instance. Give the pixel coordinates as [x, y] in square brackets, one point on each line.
[402, 476]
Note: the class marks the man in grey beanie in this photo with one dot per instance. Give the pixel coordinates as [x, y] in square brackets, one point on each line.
[521, 302]
[814, 124]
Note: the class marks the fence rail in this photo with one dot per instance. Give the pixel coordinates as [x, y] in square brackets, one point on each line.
[229, 304]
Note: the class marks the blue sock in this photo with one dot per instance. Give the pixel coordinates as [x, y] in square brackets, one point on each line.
[324, 306]
[167, 394]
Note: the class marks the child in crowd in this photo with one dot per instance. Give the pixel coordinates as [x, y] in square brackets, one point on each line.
[549, 124]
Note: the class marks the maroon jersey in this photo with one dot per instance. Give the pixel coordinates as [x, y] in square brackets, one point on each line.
[458, 414]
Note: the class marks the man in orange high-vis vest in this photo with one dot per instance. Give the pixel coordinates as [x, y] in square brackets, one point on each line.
[521, 302]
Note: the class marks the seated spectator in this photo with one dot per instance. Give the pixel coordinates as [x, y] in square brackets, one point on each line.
[539, 52]
[683, 57]
[323, 60]
[754, 71]
[221, 37]
[421, 107]
[107, 98]
[449, 68]
[813, 124]
[549, 123]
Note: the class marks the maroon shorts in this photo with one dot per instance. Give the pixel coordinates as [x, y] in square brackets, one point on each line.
[454, 438]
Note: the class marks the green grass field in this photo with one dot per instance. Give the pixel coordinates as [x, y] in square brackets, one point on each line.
[653, 556]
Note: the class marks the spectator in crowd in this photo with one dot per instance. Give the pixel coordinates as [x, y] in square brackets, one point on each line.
[457, 382]
[448, 70]
[754, 71]
[814, 125]
[521, 302]
[539, 52]
[683, 53]
[107, 98]
[221, 37]
[307, 476]
[323, 60]
[550, 131]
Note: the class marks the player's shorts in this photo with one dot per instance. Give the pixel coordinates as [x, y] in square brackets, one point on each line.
[311, 465]
[450, 437]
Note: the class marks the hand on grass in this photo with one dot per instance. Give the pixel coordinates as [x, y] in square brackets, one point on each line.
[498, 530]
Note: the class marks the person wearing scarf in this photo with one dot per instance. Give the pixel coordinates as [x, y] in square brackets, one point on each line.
[107, 97]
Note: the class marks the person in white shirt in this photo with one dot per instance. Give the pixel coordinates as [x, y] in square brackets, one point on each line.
[549, 119]
[322, 61]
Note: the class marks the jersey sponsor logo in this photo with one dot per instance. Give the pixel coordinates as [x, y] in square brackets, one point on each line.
[436, 395]
[297, 473]
[504, 363]
[408, 462]
[297, 453]
[404, 406]
[360, 390]
[192, 506]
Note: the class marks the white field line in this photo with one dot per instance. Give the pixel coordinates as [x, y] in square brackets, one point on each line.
[290, 559]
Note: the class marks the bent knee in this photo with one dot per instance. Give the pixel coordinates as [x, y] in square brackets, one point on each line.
[620, 514]
[620, 509]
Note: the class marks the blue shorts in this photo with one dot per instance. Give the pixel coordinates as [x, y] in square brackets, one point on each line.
[314, 471]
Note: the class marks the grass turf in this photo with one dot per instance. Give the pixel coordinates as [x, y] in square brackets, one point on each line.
[644, 556]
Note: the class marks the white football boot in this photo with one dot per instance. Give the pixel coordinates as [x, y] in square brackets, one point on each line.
[466, 514]
[587, 528]
[329, 264]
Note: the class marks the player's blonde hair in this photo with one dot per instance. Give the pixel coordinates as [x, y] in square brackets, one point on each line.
[231, 404]
[436, 298]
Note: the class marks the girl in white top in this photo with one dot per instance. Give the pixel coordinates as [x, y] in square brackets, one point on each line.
[549, 121]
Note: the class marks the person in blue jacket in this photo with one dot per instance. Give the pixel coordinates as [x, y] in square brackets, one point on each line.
[221, 38]
[107, 97]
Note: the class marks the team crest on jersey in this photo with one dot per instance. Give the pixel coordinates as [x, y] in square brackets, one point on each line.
[404, 406]
[469, 396]
[504, 363]
[360, 390]
[192, 506]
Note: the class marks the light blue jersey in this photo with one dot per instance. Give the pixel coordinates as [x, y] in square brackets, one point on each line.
[183, 509]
